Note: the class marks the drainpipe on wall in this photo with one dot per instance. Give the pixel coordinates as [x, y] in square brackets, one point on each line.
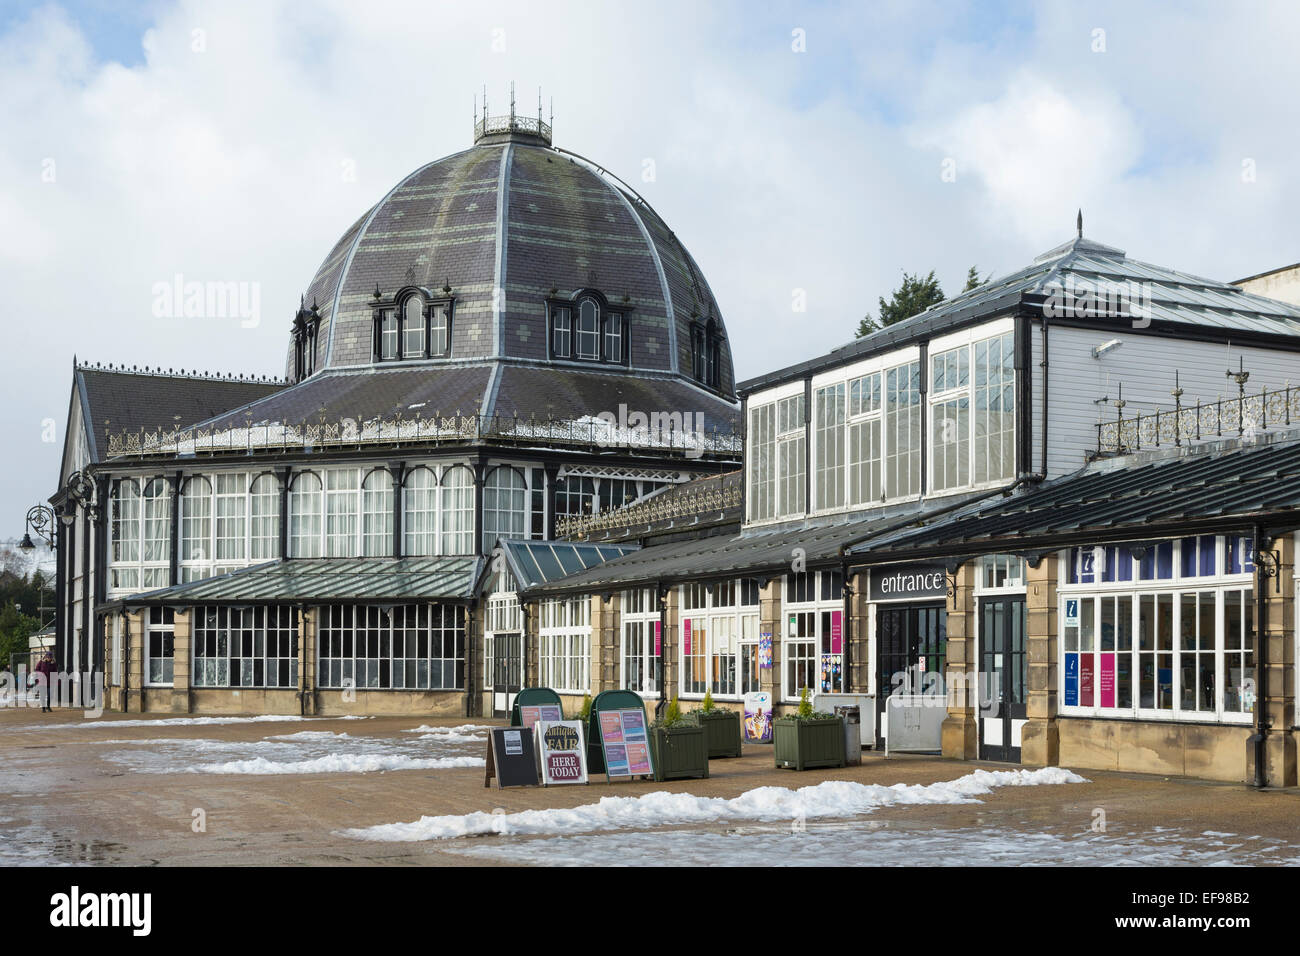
[845, 628]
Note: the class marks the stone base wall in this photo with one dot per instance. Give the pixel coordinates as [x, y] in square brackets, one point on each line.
[1212, 752]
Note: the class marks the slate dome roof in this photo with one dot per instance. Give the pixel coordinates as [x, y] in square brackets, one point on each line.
[514, 213]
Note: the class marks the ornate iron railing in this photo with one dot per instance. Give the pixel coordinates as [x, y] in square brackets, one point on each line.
[1239, 417]
[490, 125]
[669, 505]
[592, 433]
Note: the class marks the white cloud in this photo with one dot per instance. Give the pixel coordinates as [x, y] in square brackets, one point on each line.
[778, 170]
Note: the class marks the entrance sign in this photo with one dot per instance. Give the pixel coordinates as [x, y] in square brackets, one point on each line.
[625, 743]
[757, 725]
[913, 582]
[562, 751]
[511, 758]
[531, 715]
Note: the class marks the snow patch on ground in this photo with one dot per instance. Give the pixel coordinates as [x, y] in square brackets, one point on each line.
[187, 721]
[874, 843]
[336, 763]
[832, 798]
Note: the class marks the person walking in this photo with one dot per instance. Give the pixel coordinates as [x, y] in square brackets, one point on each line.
[46, 667]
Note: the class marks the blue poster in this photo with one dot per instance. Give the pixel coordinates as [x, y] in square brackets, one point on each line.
[1071, 680]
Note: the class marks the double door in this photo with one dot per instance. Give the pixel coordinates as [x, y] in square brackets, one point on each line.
[507, 671]
[911, 641]
[1001, 689]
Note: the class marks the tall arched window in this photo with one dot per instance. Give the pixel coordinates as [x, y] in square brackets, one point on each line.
[457, 510]
[264, 519]
[157, 541]
[377, 514]
[505, 510]
[587, 339]
[419, 510]
[126, 534]
[196, 527]
[413, 327]
[342, 521]
[231, 535]
[305, 509]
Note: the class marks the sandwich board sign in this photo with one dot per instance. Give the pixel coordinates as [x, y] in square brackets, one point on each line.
[511, 758]
[625, 743]
[531, 715]
[561, 751]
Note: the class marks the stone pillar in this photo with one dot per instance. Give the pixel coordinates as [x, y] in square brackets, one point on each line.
[770, 622]
[604, 644]
[857, 631]
[133, 700]
[182, 701]
[1041, 738]
[307, 656]
[1277, 675]
[531, 644]
[672, 636]
[960, 734]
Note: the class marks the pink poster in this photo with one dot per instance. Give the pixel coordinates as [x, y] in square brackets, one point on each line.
[686, 635]
[1107, 680]
[1085, 680]
[837, 638]
[659, 639]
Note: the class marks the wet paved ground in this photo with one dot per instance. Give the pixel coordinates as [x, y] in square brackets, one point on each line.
[277, 792]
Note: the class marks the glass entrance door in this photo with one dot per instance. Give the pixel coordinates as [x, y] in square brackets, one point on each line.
[911, 641]
[507, 671]
[1002, 677]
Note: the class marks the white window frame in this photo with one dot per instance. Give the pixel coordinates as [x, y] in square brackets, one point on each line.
[163, 626]
[639, 620]
[716, 618]
[1173, 588]
[815, 607]
[969, 340]
[564, 644]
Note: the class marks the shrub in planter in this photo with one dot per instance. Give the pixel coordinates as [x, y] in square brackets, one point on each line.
[721, 728]
[808, 739]
[677, 743]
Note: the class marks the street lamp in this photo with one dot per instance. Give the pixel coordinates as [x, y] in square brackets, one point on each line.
[41, 519]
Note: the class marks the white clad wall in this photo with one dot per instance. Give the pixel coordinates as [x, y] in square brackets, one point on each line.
[1145, 364]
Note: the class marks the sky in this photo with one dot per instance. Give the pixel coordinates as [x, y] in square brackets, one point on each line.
[803, 153]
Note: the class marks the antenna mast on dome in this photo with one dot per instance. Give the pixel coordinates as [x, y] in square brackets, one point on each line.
[512, 127]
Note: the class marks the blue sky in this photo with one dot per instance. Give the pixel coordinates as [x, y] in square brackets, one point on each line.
[820, 171]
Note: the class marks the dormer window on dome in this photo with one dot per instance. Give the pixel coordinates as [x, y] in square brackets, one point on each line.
[414, 324]
[306, 323]
[585, 328]
[706, 352]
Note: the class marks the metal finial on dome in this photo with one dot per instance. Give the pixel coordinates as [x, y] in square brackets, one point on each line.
[1079, 223]
[511, 126]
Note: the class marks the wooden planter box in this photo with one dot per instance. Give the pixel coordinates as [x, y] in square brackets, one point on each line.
[679, 752]
[805, 744]
[721, 732]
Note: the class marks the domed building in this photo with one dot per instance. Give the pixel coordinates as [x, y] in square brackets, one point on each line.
[508, 339]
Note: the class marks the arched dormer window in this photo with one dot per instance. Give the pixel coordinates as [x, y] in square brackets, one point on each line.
[586, 328]
[412, 325]
[706, 353]
[306, 323]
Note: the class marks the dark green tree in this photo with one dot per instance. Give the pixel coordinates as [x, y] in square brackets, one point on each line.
[15, 628]
[914, 296]
[973, 280]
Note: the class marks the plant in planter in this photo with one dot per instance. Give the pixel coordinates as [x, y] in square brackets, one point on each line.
[677, 743]
[721, 728]
[584, 712]
[808, 739]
